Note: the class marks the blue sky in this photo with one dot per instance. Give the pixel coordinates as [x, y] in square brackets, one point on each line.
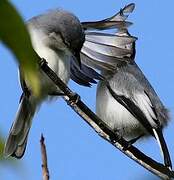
[75, 151]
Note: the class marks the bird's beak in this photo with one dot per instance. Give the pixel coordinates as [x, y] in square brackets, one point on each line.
[76, 58]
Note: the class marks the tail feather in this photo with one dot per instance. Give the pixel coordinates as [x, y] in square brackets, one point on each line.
[20, 149]
[21, 115]
[17, 139]
[163, 146]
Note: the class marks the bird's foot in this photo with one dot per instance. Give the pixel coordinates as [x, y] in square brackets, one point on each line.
[42, 62]
[74, 99]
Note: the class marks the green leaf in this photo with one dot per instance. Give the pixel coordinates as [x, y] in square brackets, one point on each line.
[15, 36]
[1, 148]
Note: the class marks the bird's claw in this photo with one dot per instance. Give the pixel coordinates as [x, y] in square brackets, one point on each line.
[74, 99]
[42, 62]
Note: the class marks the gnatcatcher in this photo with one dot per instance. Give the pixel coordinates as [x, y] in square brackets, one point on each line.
[57, 36]
[125, 100]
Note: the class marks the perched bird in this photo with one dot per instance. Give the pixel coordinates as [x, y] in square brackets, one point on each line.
[125, 100]
[57, 36]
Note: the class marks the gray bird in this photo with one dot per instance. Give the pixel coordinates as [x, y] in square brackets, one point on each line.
[57, 36]
[125, 100]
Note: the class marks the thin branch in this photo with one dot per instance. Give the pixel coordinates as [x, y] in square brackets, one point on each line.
[45, 171]
[105, 131]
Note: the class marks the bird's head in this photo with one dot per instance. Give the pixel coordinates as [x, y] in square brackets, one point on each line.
[61, 31]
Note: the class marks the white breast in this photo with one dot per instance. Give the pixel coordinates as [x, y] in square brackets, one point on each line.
[58, 62]
[117, 116]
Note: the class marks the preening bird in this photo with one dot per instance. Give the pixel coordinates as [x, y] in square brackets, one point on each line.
[57, 36]
[125, 100]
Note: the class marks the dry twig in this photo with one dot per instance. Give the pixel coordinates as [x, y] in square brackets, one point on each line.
[104, 131]
[45, 171]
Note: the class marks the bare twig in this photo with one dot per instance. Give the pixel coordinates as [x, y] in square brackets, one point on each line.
[45, 171]
[104, 131]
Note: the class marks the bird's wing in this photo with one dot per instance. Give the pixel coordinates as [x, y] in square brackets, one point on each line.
[105, 51]
[139, 106]
[105, 25]
[123, 14]
[109, 39]
[161, 110]
[126, 87]
[101, 50]
[115, 21]
[84, 75]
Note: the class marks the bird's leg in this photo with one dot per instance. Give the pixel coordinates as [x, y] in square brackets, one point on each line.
[131, 142]
[118, 135]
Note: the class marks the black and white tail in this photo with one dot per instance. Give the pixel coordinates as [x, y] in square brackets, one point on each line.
[163, 146]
